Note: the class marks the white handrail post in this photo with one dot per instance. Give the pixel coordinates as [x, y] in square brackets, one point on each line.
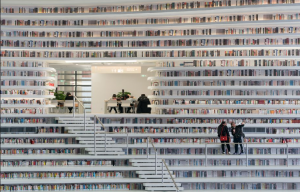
[155, 162]
[84, 115]
[127, 145]
[205, 154]
[162, 171]
[73, 106]
[147, 148]
[287, 154]
[246, 154]
[105, 142]
[94, 134]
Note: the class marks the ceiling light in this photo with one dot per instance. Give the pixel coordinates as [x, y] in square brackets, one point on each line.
[100, 61]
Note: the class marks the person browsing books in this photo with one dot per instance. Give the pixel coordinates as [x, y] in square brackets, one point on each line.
[237, 133]
[224, 136]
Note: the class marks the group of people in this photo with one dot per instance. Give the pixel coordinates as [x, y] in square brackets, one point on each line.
[237, 133]
[141, 104]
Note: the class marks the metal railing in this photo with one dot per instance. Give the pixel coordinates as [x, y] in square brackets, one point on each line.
[95, 122]
[164, 163]
[84, 110]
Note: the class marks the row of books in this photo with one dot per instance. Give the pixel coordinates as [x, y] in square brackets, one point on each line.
[23, 111]
[147, 21]
[26, 83]
[24, 73]
[69, 175]
[229, 63]
[17, 163]
[37, 140]
[20, 120]
[39, 151]
[134, 33]
[152, 43]
[25, 92]
[241, 92]
[74, 187]
[236, 120]
[161, 84]
[224, 102]
[141, 8]
[25, 101]
[227, 111]
[23, 64]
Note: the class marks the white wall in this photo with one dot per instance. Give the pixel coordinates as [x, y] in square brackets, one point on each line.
[105, 85]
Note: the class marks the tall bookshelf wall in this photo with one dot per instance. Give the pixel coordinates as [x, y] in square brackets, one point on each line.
[215, 60]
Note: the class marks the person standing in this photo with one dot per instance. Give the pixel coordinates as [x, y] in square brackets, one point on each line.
[224, 136]
[237, 133]
[143, 104]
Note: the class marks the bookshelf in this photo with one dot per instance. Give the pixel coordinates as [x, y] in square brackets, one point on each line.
[215, 60]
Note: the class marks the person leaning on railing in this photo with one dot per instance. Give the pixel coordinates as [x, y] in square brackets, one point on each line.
[237, 133]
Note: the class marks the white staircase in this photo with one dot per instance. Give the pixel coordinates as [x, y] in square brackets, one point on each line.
[104, 146]
[166, 183]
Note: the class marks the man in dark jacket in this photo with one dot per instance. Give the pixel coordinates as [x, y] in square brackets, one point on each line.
[143, 104]
[237, 133]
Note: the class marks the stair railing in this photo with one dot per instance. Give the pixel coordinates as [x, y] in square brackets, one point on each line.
[163, 162]
[95, 122]
[84, 110]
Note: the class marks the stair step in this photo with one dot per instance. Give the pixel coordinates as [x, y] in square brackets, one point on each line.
[85, 132]
[76, 122]
[103, 149]
[100, 142]
[72, 118]
[163, 188]
[155, 176]
[161, 184]
[144, 160]
[82, 128]
[153, 172]
[107, 153]
[92, 138]
[146, 164]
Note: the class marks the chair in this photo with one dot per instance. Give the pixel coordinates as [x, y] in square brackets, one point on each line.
[111, 104]
[55, 103]
[126, 104]
[69, 103]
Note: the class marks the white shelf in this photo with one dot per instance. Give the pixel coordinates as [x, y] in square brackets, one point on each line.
[221, 68]
[130, 168]
[222, 87]
[27, 96]
[26, 106]
[224, 97]
[143, 135]
[148, 58]
[224, 47]
[224, 106]
[91, 126]
[239, 24]
[28, 68]
[227, 78]
[26, 78]
[229, 36]
[27, 87]
[162, 13]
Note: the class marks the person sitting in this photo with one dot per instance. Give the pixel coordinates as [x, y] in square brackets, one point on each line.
[132, 100]
[143, 104]
[114, 97]
[69, 97]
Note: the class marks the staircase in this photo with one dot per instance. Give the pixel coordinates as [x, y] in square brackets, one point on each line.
[86, 136]
[159, 181]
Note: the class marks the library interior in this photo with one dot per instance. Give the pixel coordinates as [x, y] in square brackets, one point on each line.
[150, 95]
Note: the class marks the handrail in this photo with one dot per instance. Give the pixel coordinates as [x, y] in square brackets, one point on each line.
[84, 110]
[97, 118]
[177, 189]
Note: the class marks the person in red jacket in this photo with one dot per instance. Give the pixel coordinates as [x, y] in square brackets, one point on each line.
[223, 131]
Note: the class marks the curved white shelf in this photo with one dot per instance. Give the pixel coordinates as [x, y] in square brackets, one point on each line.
[226, 78]
[225, 97]
[163, 13]
[26, 106]
[50, 69]
[223, 47]
[221, 68]
[147, 58]
[27, 78]
[27, 96]
[229, 36]
[239, 24]
[224, 106]
[27, 87]
[221, 87]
